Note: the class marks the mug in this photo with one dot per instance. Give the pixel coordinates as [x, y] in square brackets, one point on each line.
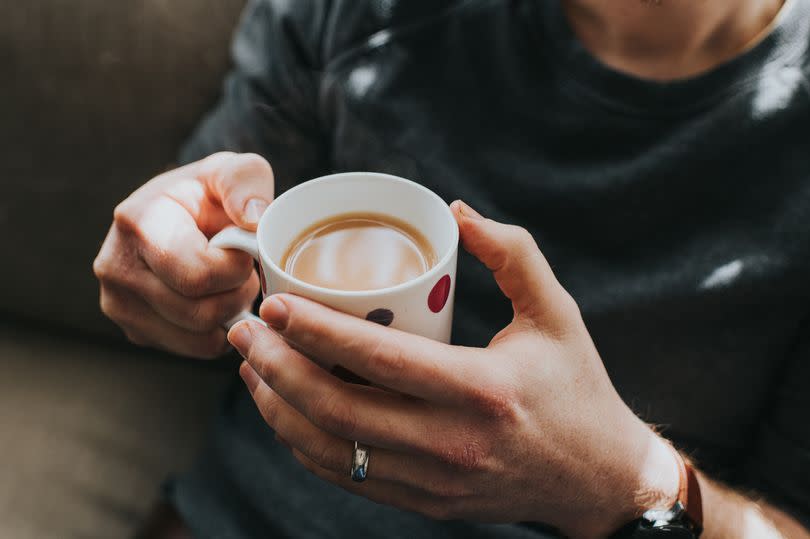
[423, 305]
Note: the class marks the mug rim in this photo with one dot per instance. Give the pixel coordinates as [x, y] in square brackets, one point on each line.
[432, 272]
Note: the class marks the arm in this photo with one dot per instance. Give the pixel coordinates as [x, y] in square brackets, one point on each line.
[159, 279]
[528, 429]
[730, 515]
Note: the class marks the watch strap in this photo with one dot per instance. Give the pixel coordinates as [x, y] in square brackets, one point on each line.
[689, 493]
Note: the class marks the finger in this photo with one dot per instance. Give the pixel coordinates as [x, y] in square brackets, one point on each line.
[173, 247]
[242, 183]
[520, 269]
[145, 327]
[335, 454]
[118, 265]
[198, 315]
[185, 187]
[399, 361]
[348, 411]
[117, 257]
[204, 314]
[386, 492]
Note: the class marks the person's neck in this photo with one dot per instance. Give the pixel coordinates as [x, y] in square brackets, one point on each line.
[668, 39]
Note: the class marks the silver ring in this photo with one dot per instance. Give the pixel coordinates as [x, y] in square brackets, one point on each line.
[360, 457]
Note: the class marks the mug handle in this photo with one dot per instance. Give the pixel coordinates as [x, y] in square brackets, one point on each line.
[234, 237]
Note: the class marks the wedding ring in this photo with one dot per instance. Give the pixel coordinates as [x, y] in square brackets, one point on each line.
[360, 457]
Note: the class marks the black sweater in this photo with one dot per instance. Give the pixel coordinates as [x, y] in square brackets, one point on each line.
[677, 215]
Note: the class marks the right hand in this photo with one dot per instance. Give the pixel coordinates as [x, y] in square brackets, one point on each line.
[160, 280]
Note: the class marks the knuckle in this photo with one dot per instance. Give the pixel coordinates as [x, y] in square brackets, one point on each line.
[465, 457]
[270, 409]
[265, 362]
[335, 414]
[107, 304]
[521, 239]
[111, 269]
[496, 402]
[235, 167]
[307, 330]
[195, 282]
[252, 163]
[204, 315]
[113, 308]
[101, 267]
[234, 171]
[388, 359]
[124, 216]
[194, 314]
[325, 456]
[219, 156]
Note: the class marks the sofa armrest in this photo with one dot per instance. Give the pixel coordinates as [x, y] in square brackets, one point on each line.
[96, 98]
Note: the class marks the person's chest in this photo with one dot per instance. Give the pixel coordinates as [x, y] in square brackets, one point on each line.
[685, 241]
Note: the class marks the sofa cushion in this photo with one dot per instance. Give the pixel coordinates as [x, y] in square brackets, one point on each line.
[97, 97]
[89, 432]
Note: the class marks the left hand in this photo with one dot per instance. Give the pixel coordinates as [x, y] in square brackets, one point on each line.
[528, 429]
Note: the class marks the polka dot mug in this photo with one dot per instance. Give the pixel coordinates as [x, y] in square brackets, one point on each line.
[423, 305]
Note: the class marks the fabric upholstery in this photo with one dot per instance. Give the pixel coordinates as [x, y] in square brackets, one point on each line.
[96, 97]
[89, 432]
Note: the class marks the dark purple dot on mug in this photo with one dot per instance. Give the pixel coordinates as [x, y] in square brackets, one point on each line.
[438, 296]
[384, 317]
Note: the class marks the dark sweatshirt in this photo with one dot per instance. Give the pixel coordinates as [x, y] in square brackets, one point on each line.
[676, 214]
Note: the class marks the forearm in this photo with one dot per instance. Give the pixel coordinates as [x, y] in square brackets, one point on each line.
[729, 515]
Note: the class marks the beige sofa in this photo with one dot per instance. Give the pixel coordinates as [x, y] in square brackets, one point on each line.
[96, 98]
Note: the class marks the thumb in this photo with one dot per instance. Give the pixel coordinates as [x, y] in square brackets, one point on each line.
[242, 183]
[520, 269]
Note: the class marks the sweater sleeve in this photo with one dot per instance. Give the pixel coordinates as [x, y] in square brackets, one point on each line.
[269, 104]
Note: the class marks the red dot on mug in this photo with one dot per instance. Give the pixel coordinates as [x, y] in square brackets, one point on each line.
[437, 298]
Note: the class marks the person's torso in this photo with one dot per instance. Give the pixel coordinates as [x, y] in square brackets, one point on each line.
[676, 215]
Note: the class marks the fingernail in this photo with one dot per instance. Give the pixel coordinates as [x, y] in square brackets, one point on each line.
[249, 376]
[465, 210]
[240, 337]
[254, 209]
[275, 313]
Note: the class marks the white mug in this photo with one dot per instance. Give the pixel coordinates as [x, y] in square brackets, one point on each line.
[423, 305]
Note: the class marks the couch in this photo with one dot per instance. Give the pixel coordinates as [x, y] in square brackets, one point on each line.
[95, 99]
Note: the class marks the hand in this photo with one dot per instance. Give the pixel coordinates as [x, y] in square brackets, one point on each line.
[160, 280]
[528, 429]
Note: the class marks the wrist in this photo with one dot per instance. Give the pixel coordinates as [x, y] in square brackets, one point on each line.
[659, 477]
[654, 479]
[641, 472]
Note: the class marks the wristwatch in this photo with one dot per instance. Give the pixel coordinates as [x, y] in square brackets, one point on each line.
[684, 520]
